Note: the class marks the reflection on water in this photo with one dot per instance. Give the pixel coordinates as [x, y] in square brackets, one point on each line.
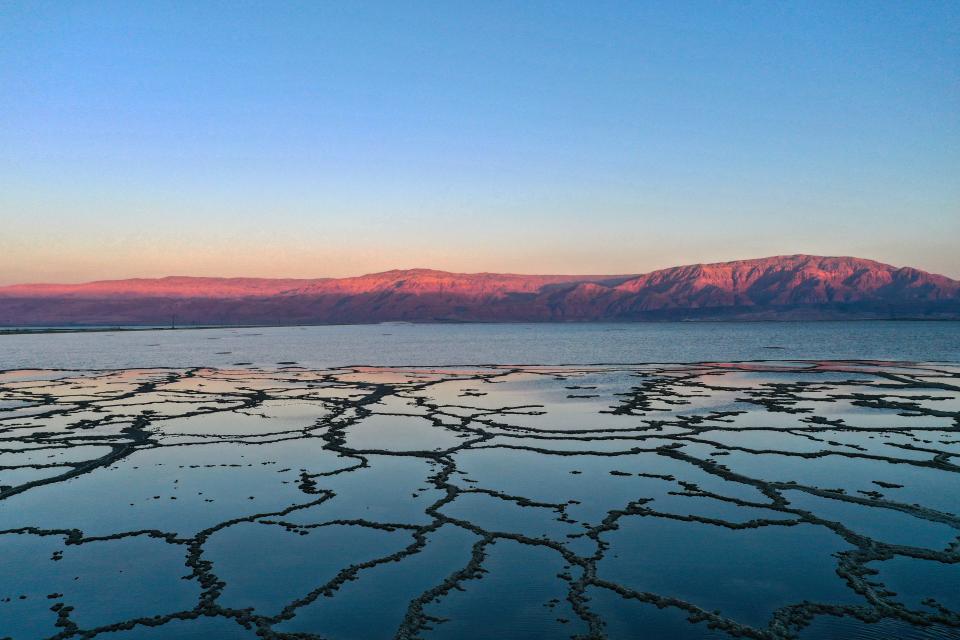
[766, 499]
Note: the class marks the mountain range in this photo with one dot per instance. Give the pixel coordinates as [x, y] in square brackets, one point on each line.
[794, 287]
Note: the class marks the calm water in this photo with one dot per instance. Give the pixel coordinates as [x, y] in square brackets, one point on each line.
[777, 499]
[430, 345]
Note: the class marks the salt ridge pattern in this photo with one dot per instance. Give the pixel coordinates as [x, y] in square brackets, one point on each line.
[578, 500]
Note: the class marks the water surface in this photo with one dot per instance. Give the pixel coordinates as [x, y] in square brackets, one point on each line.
[773, 499]
[438, 344]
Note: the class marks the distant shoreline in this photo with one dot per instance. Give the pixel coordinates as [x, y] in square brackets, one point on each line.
[12, 331]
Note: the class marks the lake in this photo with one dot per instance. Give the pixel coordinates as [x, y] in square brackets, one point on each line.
[434, 344]
[721, 480]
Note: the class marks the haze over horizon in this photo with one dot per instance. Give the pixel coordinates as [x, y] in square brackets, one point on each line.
[322, 140]
[428, 269]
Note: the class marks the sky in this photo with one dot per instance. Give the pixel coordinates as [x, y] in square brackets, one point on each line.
[308, 139]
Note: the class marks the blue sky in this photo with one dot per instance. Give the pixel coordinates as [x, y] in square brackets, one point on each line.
[326, 138]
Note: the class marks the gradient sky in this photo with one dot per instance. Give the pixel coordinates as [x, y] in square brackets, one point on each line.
[338, 138]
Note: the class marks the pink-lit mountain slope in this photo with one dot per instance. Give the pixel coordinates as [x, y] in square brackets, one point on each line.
[777, 288]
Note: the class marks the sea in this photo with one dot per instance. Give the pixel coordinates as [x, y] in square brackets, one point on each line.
[477, 481]
[435, 344]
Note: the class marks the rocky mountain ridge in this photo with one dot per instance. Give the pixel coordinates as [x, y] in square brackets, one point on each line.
[775, 288]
